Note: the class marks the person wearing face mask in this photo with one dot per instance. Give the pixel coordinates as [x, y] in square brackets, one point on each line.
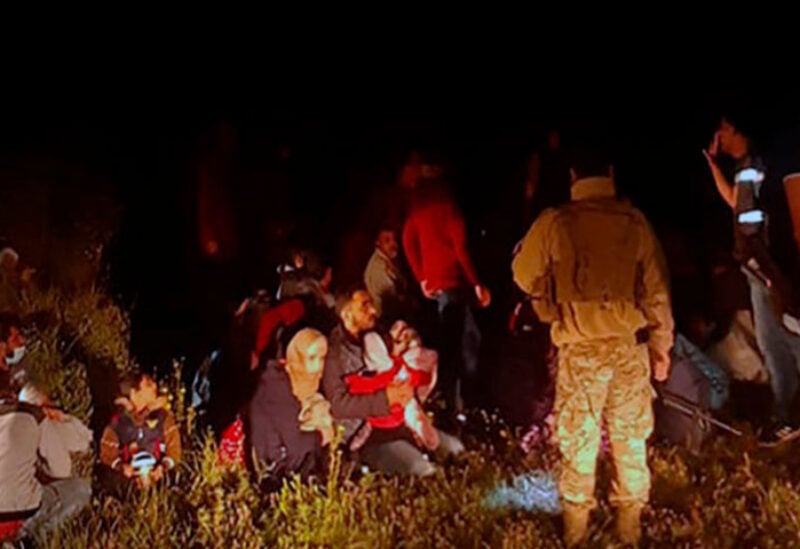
[290, 421]
[12, 351]
[37, 489]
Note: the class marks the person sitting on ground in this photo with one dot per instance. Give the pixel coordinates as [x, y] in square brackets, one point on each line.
[408, 360]
[142, 442]
[13, 371]
[290, 421]
[38, 491]
[392, 451]
[312, 283]
[14, 278]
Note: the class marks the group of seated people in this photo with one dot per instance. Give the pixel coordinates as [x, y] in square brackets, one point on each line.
[39, 485]
[308, 385]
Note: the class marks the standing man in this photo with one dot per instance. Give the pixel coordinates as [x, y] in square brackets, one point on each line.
[594, 270]
[435, 244]
[385, 281]
[763, 246]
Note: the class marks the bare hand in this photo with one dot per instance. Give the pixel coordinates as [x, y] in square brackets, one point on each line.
[427, 291]
[53, 414]
[713, 151]
[157, 474]
[661, 369]
[399, 393]
[128, 471]
[484, 296]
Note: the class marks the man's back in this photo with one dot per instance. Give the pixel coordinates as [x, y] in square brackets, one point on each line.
[435, 243]
[19, 442]
[604, 265]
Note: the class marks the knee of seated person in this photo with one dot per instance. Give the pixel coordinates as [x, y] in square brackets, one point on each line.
[449, 444]
[423, 468]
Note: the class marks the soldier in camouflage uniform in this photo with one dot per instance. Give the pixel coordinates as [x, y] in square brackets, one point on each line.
[594, 270]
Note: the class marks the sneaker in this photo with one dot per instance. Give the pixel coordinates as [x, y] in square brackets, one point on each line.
[779, 434]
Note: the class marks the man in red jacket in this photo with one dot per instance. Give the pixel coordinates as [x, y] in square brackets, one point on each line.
[435, 244]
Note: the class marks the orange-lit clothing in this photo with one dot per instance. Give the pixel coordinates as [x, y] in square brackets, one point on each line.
[595, 270]
[151, 431]
[435, 244]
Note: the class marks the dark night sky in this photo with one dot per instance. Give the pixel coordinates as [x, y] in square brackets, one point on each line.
[347, 129]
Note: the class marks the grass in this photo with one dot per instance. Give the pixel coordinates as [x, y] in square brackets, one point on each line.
[734, 495]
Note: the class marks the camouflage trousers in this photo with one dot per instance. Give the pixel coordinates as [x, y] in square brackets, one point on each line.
[600, 380]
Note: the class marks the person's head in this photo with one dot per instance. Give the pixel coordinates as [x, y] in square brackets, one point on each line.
[356, 311]
[140, 389]
[9, 258]
[307, 351]
[410, 171]
[404, 337]
[590, 159]
[33, 394]
[12, 340]
[732, 136]
[386, 242]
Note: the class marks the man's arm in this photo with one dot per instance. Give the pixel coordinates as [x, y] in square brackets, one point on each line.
[531, 265]
[343, 404]
[653, 299]
[109, 449]
[378, 282]
[458, 236]
[724, 188]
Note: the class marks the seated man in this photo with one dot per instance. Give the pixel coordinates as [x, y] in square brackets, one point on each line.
[13, 372]
[35, 442]
[392, 451]
[142, 442]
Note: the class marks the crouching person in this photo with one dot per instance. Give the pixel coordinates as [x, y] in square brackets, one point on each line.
[37, 492]
[290, 421]
[142, 442]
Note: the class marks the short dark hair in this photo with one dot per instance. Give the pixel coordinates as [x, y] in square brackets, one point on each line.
[131, 381]
[8, 321]
[385, 229]
[345, 296]
[589, 159]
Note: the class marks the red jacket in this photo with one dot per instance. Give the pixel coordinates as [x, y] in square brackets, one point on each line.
[359, 384]
[283, 314]
[435, 244]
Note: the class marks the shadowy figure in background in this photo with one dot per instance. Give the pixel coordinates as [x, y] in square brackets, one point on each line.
[386, 281]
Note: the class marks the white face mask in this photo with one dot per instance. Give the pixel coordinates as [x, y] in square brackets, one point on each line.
[19, 352]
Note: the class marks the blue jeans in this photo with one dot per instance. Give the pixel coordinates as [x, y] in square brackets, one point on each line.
[402, 457]
[61, 499]
[459, 342]
[780, 349]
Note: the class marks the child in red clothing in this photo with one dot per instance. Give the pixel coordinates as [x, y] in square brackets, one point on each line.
[408, 361]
